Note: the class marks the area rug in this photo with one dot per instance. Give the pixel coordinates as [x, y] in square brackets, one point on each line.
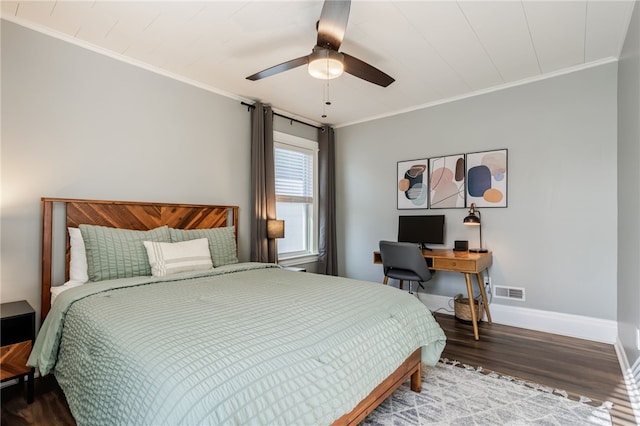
[455, 395]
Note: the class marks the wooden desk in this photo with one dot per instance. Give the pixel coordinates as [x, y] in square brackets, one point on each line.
[459, 261]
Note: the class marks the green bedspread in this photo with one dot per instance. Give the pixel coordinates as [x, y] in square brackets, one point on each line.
[245, 344]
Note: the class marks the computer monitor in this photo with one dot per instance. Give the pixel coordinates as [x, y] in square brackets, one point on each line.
[421, 229]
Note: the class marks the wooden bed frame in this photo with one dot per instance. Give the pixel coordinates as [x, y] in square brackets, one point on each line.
[140, 216]
[144, 216]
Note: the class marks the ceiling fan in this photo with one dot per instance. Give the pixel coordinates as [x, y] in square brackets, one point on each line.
[325, 62]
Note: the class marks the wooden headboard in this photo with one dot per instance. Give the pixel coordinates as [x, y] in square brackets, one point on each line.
[141, 216]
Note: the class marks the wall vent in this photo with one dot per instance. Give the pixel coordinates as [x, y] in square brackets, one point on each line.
[502, 292]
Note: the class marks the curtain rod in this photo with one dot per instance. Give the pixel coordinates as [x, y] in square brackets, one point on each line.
[250, 106]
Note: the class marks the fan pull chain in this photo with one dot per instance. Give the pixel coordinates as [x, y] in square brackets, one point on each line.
[325, 98]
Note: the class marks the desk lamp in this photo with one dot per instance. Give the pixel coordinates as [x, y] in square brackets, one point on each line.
[474, 219]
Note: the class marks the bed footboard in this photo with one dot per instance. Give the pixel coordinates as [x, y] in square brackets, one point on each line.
[412, 367]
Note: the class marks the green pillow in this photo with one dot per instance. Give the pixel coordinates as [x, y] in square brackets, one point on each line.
[118, 253]
[222, 242]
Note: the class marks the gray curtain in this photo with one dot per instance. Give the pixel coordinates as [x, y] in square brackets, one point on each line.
[262, 183]
[327, 258]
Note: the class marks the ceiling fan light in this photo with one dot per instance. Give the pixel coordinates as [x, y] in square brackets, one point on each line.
[325, 64]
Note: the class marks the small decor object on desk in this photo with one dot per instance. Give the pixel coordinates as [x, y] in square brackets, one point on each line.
[18, 328]
[461, 245]
[463, 310]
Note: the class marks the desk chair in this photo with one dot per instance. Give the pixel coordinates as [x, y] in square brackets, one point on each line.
[404, 261]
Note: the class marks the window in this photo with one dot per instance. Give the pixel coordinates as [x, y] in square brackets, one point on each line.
[296, 195]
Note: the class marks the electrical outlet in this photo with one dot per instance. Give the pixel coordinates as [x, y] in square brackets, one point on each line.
[487, 280]
[638, 339]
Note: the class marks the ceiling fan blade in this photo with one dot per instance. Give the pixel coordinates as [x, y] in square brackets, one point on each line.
[360, 69]
[285, 66]
[333, 23]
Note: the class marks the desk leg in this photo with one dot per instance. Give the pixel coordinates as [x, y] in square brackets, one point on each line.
[472, 306]
[484, 296]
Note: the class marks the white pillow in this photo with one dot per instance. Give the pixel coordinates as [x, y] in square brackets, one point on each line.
[56, 290]
[172, 258]
[78, 261]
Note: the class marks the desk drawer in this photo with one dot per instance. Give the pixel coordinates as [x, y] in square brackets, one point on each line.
[458, 265]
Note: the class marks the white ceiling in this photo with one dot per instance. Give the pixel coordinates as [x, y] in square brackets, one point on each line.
[436, 50]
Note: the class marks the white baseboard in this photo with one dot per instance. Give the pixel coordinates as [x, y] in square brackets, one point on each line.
[582, 327]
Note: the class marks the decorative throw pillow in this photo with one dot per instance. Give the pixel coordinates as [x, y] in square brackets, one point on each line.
[78, 261]
[222, 242]
[172, 258]
[118, 253]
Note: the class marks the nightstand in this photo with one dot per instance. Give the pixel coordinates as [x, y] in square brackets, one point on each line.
[294, 268]
[17, 333]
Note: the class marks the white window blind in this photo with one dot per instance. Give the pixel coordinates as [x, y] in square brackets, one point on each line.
[294, 175]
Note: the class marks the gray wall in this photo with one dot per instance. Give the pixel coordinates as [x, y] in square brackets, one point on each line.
[557, 238]
[295, 128]
[629, 193]
[77, 124]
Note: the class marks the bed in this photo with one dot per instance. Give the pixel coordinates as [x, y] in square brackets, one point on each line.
[223, 342]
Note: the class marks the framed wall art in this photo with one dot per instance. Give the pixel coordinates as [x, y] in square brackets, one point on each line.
[412, 184]
[447, 182]
[487, 176]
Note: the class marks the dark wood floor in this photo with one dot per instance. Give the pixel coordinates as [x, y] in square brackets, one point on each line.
[579, 367]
